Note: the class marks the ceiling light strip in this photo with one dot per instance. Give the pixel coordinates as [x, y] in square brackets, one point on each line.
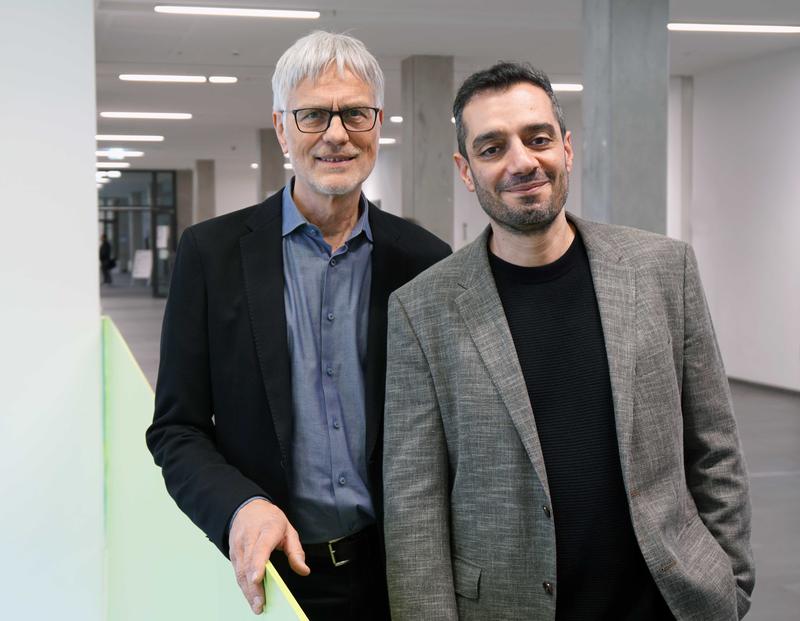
[127, 138]
[146, 115]
[567, 88]
[740, 28]
[141, 77]
[235, 12]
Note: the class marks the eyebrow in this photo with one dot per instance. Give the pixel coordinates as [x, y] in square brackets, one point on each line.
[533, 128]
[348, 106]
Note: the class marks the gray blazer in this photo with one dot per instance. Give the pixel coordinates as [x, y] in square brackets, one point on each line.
[465, 480]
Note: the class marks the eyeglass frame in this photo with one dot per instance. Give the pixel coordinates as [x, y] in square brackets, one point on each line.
[333, 113]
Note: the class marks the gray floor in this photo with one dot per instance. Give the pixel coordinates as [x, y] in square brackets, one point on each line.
[769, 423]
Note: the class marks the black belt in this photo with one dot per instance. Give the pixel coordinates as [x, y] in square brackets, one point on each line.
[338, 552]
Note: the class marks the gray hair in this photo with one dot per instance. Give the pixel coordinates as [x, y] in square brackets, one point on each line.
[310, 56]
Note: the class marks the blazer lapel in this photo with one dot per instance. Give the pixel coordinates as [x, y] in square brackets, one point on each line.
[262, 264]
[387, 275]
[483, 314]
[615, 288]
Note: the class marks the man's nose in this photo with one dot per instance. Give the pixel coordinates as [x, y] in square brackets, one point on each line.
[521, 159]
[336, 132]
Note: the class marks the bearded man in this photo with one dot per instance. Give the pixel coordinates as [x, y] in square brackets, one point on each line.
[559, 437]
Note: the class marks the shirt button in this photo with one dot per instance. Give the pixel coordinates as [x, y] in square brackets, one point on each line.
[331, 316]
[548, 587]
[336, 424]
[342, 480]
[333, 262]
[329, 372]
[546, 510]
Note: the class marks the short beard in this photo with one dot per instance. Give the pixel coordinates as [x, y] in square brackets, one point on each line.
[523, 219]
[335, 189]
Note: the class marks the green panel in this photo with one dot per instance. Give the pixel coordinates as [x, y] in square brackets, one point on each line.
[160, 567]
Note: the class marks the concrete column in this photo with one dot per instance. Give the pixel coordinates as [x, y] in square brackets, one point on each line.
[273, 174]
[204, 197]
[184, 180]
[51, 430]
[428, 138]
[626, 82]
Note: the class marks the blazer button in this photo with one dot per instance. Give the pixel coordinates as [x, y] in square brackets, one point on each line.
[546, 510]
[548, 587]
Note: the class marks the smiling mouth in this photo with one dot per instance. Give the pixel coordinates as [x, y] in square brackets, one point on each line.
[336, 159]
[527, 187]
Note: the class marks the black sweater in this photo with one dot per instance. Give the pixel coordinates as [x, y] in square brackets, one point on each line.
[555, 324]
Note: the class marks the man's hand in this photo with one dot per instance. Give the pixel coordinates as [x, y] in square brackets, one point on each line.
[259, 528]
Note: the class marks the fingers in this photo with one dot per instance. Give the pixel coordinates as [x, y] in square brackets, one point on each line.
[294, 552]
[258, 529]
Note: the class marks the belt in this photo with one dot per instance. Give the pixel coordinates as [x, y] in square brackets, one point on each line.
[338, 552]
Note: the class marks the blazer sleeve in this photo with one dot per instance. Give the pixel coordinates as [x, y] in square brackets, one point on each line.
[181, 438]
[416, 482]
[715, 469]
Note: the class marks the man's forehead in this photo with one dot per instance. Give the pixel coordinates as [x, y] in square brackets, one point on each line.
[522, 102]
[333, 83]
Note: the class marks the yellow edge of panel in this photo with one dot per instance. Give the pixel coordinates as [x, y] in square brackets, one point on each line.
[272, 574]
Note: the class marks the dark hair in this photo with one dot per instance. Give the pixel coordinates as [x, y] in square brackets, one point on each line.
[500, 77]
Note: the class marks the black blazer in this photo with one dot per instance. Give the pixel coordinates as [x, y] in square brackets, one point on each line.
[222, 426]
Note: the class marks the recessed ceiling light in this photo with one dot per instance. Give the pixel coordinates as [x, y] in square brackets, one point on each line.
[223, 79]
[742, 28]
[287, 165]
[113, 174]
[137, 77]
[127, 138]
[567, 88]
[387, 140]
[232, 12]
[146, 115]
[104, 180]
[254, 165]
[112, 164]
[396, 119]
[118, 153]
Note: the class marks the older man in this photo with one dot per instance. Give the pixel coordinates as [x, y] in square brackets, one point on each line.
[559, 440]
[269, 402]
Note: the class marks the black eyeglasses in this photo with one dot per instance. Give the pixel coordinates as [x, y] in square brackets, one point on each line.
[318, 120]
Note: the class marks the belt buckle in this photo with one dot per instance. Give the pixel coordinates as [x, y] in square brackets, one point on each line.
[333, 553]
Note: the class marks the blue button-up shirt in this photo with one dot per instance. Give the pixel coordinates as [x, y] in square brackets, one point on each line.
[326, 297]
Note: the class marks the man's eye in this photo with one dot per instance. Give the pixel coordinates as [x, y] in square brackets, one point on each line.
[310, 115]
[489, 151]
[541, 141]
[355, 113]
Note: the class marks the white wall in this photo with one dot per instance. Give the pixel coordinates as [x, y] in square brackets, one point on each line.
[746, 213]
[236, 185]
[385, 182]
[51, 487]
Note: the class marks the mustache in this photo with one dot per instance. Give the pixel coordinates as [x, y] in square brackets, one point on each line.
[518, 180]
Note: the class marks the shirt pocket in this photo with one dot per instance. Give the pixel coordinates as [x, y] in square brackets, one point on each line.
[466, 578]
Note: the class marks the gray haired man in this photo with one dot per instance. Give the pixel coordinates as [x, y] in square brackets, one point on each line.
[269, 402]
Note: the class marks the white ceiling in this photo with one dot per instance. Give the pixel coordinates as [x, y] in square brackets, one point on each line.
[132, 38]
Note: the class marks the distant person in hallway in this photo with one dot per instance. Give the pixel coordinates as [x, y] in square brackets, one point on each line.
[107, 263]
[269, 401]
[559, 436]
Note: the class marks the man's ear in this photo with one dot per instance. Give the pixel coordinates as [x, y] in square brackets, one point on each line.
[464, 171]
[568, 152]
[280, 130]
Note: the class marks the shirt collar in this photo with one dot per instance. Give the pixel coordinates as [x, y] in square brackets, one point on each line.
[293, 219]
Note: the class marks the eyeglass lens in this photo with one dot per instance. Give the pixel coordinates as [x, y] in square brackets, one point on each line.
[318, 119]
